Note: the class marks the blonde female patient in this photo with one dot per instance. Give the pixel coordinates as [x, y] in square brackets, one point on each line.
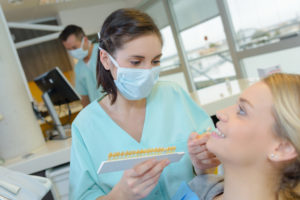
[258, 142]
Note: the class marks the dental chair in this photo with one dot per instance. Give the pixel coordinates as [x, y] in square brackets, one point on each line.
[19, 186]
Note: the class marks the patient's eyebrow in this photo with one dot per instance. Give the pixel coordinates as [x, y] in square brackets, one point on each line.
[242, 100]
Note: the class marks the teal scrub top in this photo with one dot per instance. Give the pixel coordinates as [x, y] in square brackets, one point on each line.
[171, 115]
[85, 77]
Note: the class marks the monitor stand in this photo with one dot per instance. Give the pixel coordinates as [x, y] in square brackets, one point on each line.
[60, 132]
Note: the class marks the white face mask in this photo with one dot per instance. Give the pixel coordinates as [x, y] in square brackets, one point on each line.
[79, 53]
[135, 84]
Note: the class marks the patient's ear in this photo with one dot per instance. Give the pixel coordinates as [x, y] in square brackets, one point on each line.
[283, 151]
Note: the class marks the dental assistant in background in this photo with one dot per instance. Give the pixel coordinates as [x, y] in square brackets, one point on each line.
[75, 41]
[137, 112]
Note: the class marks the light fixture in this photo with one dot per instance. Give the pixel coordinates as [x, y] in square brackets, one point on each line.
[47, 2]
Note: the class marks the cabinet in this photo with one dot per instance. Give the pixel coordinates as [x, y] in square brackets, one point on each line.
[59, 177]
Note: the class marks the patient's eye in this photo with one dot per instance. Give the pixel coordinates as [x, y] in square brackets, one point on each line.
[241, 110]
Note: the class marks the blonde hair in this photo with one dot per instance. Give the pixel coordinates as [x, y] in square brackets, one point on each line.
[285, 89]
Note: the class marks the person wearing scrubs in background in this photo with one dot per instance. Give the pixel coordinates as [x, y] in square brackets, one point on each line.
[137, 112]
[75, 41]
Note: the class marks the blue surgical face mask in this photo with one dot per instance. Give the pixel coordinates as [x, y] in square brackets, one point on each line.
[135, 84]
[79, 53]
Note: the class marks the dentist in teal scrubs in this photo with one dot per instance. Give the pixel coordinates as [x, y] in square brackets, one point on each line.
[136, 112]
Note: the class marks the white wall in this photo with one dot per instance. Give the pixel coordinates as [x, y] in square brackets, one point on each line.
[90, 18]
[177, 78]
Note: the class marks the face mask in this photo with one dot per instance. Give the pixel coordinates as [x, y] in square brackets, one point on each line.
[135, 84]
[79, 53]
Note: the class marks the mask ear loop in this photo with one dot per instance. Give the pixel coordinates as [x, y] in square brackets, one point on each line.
[113, 61]
[110, 57]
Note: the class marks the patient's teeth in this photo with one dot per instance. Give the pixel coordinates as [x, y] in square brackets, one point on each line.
[219, 133]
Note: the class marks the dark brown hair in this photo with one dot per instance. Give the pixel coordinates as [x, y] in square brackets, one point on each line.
[121, 26]
[69, 30]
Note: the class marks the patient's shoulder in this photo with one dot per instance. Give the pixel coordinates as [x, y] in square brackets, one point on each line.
[207, 186]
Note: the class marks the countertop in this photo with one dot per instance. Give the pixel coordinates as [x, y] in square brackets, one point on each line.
[51, 154]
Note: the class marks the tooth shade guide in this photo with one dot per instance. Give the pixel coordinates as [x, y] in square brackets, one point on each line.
[129, 162]
[208, 131]
[202, 135]
[141, 152]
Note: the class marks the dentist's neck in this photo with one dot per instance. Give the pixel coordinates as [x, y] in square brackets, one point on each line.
[124, 105]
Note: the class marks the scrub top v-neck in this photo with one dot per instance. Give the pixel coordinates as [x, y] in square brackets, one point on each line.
[117, 126]
[171, 115]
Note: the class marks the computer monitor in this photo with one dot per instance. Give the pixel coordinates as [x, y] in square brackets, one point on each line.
[56, 91]
[57, 86]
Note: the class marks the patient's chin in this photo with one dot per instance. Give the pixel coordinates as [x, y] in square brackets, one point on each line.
[211, 146]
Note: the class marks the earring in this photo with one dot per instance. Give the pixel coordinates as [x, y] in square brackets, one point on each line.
[273, 156]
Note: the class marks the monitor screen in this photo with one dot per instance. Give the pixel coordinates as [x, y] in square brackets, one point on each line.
[57, 86]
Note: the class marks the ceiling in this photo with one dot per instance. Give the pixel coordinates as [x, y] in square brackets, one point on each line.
[30, 10]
